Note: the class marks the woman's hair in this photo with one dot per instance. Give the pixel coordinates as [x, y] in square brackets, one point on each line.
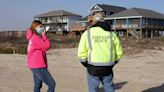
[34, 24]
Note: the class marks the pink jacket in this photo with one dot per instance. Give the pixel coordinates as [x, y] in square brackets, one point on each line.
[37, 47]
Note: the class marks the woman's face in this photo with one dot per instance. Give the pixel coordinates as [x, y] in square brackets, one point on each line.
[39, 29]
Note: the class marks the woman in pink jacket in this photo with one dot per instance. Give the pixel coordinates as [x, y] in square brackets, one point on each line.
[38, 44]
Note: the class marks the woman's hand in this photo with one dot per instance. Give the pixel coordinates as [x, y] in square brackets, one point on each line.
[44, 32]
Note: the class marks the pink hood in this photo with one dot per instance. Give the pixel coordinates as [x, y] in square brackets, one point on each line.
[37, 47]
[28, 34]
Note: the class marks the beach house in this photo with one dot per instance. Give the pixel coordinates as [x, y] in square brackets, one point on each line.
[137, 22]
[58, 20]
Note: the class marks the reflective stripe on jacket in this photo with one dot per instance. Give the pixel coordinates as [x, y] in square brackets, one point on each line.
[99, 47]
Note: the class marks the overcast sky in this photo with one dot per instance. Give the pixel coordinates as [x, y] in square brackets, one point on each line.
[18, 14]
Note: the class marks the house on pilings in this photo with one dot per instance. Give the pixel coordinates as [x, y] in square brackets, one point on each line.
[137, 22]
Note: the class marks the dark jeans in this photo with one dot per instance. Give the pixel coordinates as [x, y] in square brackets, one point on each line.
[42, 75]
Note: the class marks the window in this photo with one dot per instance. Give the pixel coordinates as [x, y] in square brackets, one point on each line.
[111, 13]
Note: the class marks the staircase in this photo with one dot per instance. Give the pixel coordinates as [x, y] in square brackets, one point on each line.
[134, 33]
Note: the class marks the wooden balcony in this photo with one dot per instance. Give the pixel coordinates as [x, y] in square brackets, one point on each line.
[125, 26]
[77, 28]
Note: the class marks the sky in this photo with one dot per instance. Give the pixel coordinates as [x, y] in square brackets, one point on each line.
[18, 14]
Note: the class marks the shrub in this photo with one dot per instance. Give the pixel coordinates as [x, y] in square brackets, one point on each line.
[4, 50]
[22, 49]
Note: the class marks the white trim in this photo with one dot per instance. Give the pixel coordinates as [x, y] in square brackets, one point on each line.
[123, 17]
[93, 6]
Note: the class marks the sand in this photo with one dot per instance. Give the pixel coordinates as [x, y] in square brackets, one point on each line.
[142, 72]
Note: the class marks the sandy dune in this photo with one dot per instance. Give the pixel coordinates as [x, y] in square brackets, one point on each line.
[138, 73]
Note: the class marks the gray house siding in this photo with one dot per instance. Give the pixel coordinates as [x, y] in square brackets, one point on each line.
[72, 21]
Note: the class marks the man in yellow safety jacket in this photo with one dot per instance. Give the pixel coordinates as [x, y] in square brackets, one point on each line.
[99, 50]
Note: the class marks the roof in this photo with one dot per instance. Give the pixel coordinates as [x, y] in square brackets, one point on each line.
[58, 13]
[111, 8]
[84, 19]
[105, 7]
[138, 12]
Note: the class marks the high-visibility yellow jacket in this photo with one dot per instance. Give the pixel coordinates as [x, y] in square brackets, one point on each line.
[99, 47]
